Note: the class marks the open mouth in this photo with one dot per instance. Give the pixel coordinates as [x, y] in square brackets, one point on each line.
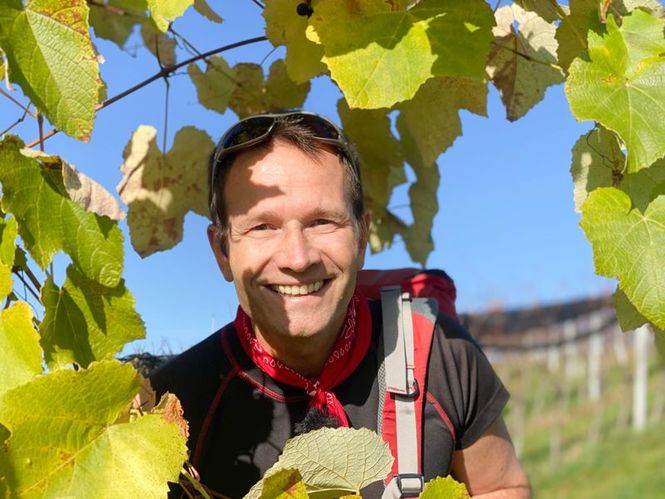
[301, 290]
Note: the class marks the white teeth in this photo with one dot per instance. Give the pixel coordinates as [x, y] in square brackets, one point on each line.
[305, 289]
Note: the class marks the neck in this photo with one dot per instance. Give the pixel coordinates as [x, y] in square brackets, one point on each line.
[306, 356]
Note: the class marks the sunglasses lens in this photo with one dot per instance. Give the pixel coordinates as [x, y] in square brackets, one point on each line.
[321, 127]
[247, 131]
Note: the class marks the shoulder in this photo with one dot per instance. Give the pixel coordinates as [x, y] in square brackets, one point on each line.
[194, 368]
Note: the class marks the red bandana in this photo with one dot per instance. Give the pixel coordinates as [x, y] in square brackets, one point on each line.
[349, 350]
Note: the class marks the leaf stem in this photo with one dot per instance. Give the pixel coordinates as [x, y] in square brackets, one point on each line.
[164, 72]
[15, 101]
[256, 2]
[40, 124]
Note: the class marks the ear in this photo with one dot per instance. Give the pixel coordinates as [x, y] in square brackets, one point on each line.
[215, 240]
[364, 237]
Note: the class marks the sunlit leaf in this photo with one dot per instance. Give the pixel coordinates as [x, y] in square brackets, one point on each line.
[164, 12]
[202, 7]
[571, 34]
[159, 189]
[377, 56]
[380, 155]
[460, 34]
[342, 459]
[45, 31]
[8, 233]
[284, 26]
[444, 488]
[521, 61]
[3, 68]
[597, 162]
[628, 316]
[629, 244]
[429, 123]
[624, 7]
[544, 8]
[254, 95]
[63, 441]
[20, 353]
[161, 45]
[645, 185]
[85, 321]
[49, 221]
[284, 484]
[215, 86]
[621, 86]
[114, 20]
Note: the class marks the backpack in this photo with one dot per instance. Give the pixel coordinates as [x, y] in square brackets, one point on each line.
[410, 302]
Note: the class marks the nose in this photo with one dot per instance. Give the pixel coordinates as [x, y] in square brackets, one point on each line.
[297, 251]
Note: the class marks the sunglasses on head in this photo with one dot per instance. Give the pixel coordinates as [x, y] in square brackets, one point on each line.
[256, 129]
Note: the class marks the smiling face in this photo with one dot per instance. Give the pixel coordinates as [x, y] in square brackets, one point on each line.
[293, 247]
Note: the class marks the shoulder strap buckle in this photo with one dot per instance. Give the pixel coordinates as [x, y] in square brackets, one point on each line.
[410, 484]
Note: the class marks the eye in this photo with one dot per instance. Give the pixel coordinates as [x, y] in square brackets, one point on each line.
[262, 227]
[321, 221]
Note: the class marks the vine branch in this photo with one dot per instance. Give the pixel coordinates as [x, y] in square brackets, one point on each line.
[528, 57]
[162, 73]
[26, 109]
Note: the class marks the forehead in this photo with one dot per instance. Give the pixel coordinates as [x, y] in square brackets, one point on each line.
[280, 169]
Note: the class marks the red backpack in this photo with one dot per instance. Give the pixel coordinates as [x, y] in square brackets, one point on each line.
[408, 327]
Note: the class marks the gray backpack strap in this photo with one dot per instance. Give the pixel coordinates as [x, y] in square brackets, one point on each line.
[400, 381]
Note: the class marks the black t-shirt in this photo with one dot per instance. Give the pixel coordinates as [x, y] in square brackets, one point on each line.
[240, 418]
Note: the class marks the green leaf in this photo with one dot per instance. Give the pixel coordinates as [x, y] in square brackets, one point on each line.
[380, 154]
[63, 441]
[39, 34]
[628, 316]
[159, 189]
[630, 245]
[597, 162]
[571, 34]
[620, 87]
[316, 454]
[159, 44]
[49, 221]
[460, 34]
[424, 206]
[116, 19]
[521, 63]
[202, 7]
[428, 124]
[645, 185]
[20, 353]
[8, 233]
[85, 321]
[253, 95]
[284, 484]
[214, 87]
[90, 195]
[3, 68]
[444, 488]
[164, 12]
[544, 9]
[285, 27]
[378, 56]
[623, 7]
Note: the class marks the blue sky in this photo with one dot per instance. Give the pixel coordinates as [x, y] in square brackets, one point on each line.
[506, 232]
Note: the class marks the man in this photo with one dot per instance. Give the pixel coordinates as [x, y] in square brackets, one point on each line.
[289, 229]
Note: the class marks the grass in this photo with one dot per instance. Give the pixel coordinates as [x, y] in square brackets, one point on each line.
[600, 456]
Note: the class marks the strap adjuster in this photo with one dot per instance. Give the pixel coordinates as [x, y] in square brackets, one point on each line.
[410, 484]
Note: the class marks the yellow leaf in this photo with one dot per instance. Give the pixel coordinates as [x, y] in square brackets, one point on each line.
[160, 189]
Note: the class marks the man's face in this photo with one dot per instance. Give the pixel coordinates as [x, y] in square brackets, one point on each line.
[293, 250]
